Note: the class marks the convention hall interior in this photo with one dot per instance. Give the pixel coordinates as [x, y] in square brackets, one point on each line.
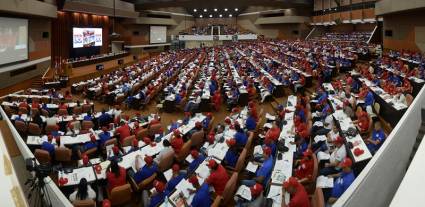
[222, 103]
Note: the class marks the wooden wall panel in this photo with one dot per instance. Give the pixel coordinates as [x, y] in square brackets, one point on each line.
[369, 13]
[327, 18]
[318, 5]
[346, 15]
[62, 32]
[357, 14]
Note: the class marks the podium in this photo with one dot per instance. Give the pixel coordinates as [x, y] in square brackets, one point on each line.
[67, 69]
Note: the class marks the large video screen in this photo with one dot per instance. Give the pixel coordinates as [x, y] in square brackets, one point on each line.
[13, 40]
[86, 37]
[158, 34]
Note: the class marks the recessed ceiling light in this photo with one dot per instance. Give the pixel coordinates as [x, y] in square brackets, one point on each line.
[236, 9]
[210, 15]
[205, 10]
[195, 10]
[215, 10]
[225, 9]
[200, 16]
[230, 15]
[221, 15]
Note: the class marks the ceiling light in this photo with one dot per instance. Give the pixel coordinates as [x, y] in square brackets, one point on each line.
[195, 10]
[205, 10]
[225, 9]
[221, 15]
[236, 9]
[215, 10]
[200, 16]
[230, 15]
[210, 15]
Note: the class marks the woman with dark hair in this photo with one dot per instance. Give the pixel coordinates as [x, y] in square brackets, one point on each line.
[116, 175]
[83, 192]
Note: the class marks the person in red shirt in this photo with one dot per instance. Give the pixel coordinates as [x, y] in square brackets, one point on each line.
[116, 175]
[218, 177]
[177, 141]
[274, 132]
[299, 197]
[362, 121]
[63, 106]
[301, 130]
[35, 104]
[304, 171]
[123, 131]
[137, 127]
[23, 104]
[217, 100]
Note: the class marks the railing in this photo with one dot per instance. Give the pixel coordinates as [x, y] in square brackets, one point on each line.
[57, 198]
[379, 180]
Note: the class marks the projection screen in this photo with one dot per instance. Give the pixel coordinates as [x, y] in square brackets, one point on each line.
[13, 40]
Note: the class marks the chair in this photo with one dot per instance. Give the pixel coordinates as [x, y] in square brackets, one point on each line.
[197, 139]
[49, 128]
[144, 185]
[142, 133]
[23, 110]
[34, 129]
[128, 141]
[86, 108]
[120, 195]
[409, 99]
[44, 112]
[166, 162]
[87, 125]
[84, 203]
[42, 156]
[63, 154]
[318, 200]
[77, 110]
[21, 127]
[155, 129]
[184, 152]
[62, 112]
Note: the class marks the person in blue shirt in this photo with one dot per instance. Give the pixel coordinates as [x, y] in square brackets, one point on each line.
[342, 180]
[369, 99]
[378, 137]
[157, 197]
[146, 171]
[240, 136]
[174, 125]
[264, 172]
[250, 122]
[207, 121]
[177, 98]
[175, 179]
[393, 78]
[197, 159]
[232, 156]
[49, 147]
[104, 136]
[89, 145]
[104, 119]
[202, 196]
[19, 117]
[88, 117]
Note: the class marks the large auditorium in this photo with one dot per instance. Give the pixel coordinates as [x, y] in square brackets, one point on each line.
[196, 103]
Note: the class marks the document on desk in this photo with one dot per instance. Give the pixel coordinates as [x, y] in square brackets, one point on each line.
[270, 117]
[278, 177]
[184, 186]
[258, 150]
[189, 159]
[324, 182]
[319, 138]
[244, 192]
[275, 193]
[251, 167]
[168, 174]
[323, 156]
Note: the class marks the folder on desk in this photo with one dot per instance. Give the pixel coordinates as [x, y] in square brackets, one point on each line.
[251, 167]
[324, 182]
[244, 192]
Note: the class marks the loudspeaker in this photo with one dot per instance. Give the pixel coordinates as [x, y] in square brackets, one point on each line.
[45, 35]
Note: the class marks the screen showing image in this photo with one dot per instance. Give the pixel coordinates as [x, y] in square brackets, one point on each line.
[158, 34]
[86, 37]
[13, 40]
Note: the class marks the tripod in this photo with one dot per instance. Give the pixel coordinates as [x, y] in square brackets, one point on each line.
[37, 192]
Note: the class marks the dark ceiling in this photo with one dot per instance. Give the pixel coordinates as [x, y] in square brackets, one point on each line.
[220, 5]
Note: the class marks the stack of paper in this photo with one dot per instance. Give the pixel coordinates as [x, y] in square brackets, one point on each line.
[251, 167]
[324, 182]
[244, 192]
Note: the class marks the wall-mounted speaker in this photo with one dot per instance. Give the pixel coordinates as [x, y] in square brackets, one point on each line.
[45, 35]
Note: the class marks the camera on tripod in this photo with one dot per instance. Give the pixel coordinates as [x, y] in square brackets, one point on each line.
[37, 193]
[41, 170]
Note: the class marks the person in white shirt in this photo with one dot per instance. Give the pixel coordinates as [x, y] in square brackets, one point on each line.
[83, 192]
[400, 98]
[167, 149]
[51, 121]
[337, 155]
